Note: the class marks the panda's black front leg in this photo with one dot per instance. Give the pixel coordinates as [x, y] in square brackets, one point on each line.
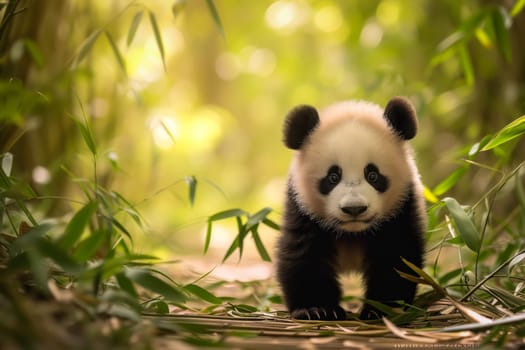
[310, 288]
[387, 287]
[384, 284]
[306, 272]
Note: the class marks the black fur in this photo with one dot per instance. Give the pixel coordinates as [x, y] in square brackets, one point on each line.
[299, 123]
[332, 178]
[307, 269]
[375, 178]
[401, 116]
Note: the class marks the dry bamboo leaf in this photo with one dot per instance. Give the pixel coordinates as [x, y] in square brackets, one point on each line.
[404, 334]
[368, 333]
[445, 336]
[470, 314]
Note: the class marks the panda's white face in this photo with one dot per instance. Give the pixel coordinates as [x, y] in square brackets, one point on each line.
[352, 173]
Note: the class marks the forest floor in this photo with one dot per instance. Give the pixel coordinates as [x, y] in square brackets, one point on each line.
[237, 326]
[68, 321]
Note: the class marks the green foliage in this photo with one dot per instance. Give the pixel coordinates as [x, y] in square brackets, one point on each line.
[464, 224]
[215, 15]
[92, 253]
[490, 25]
[485, 231]
[158, 37]
[246, 223]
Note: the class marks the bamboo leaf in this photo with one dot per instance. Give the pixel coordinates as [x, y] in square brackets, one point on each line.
[191, 181]
[207, 239]
[85, 48]
[7, 163]
[215, 15]
[167, 130]
[520, 191]
[518, 6]
[426, 277]
[484, 38]
[88, 247]
[158, 306]
[234, 246]
[76, 226]
[34, 52]
[135, 22]
[221, 216]
[464, 224]
[258, 217]
[242, 232]
[227, 214]
[147, 280]
[116, 52]
[475, 327]
[202, 293]
[449, 276]
[128, 208]
[87, 134]
[507, 298]
[478, 146]
[516, 260]
[466, 64]
[403, 334]
[271, 224]
[470, 313]
[430, 195]
[126, 285]
[412, 278]
[29, 239]
[450, 181]
[466, 30]
[58, 255]
[501, 21]
[238, 242]
[509, 132]
[158, 37]
[260, 246]
[121, 228]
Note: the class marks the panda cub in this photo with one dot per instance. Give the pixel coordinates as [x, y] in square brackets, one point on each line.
[354, 203]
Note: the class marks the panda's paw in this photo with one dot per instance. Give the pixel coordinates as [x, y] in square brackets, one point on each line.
[320, 313]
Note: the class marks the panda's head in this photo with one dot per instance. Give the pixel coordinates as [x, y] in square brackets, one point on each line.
[353, 166]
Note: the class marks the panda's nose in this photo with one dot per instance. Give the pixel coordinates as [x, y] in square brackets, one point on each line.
[355, 210]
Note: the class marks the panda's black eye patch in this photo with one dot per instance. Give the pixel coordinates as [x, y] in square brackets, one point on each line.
[375, 178]
[330, 180]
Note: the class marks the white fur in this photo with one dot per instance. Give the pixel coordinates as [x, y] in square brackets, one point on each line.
[351, 135]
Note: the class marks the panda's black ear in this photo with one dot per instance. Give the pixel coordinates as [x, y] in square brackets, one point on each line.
[299, 123]
[401, 115]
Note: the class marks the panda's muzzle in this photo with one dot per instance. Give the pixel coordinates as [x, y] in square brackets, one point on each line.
[355, 210]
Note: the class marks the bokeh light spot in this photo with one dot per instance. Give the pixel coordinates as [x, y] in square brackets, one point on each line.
[228, 66]
[286, 16]
[261, 62]
[371, 34]
[41, 175]
[328, 19]
[388, 13]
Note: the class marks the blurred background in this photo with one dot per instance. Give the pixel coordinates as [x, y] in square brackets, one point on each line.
[185, 93]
